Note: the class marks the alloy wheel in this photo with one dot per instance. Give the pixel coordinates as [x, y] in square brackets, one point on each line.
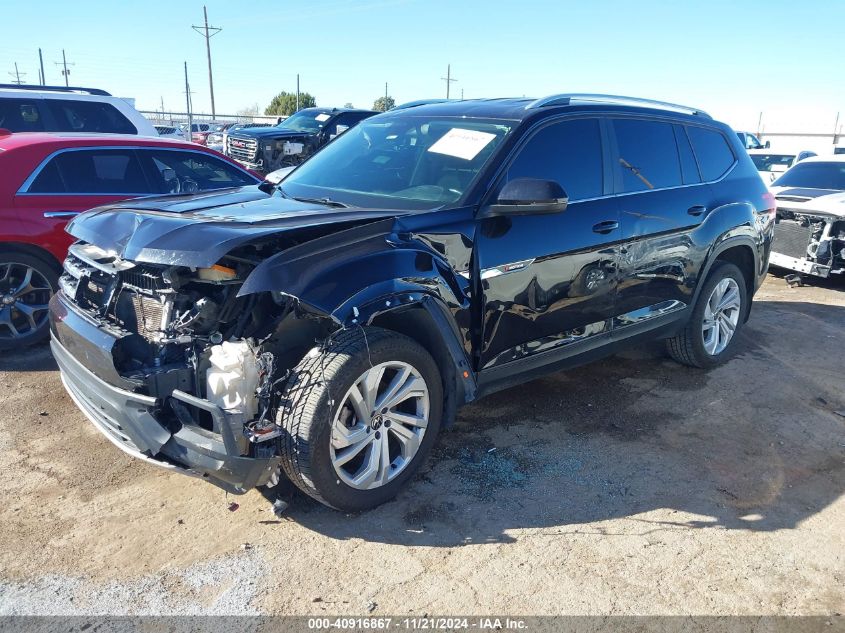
[24, 298]
[379, 425]
[721, 316]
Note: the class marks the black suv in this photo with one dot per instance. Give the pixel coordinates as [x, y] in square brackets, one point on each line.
[326, 329]
[293, 140]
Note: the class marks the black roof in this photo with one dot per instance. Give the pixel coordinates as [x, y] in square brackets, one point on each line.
[518, 109]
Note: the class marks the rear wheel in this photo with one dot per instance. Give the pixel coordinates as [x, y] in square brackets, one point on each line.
[361, 417]
[26, 284]
[710, 335]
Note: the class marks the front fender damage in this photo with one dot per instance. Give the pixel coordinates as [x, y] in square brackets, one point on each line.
[357, 276]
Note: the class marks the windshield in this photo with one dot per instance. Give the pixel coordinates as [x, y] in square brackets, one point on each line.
[402, 162]
[765, 162]
[305, 121]
[814, 175]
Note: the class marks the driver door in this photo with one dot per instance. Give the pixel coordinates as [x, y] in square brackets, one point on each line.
[549, 281]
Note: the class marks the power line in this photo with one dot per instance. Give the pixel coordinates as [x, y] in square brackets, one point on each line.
[17, 76]
[64, 64]
[208, 35]
[448, 79]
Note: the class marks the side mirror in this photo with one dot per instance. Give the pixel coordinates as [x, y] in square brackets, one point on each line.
[529, 196]
[275, 177]
[767, 145]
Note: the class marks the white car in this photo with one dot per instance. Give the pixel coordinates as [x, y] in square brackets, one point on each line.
[772, 164]
[810, 225]
[59, 109]
[750, 141]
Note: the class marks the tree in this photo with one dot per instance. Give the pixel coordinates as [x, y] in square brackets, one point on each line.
[349, 105]
[284, 103]
[383, 104]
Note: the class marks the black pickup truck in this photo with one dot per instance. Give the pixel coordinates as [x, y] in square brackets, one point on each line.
[266, 149]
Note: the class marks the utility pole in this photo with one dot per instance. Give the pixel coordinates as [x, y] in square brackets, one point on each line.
[190, 130]
[210, 31]
[759, 125]
[41, 61]
[448, 79]
[297, 92]
[836, 129]
[17, 76]
[385, 94]
[462, 94]
[64, 66]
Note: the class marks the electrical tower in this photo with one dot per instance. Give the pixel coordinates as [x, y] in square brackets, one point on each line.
[448, 79]
[17, 76]
[64, 64]
[208, 32]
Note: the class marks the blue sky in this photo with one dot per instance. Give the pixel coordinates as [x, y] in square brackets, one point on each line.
[734, 59]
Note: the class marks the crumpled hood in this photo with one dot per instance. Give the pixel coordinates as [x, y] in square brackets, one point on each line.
[197, 230]
[829, 202]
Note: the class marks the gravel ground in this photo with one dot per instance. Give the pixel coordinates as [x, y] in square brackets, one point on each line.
[630, 486]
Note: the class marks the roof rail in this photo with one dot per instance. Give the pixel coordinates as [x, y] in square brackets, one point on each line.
[90, 91]
[420, 102]
[569, 98]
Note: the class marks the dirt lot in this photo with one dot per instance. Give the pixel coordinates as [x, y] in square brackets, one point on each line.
[631, 486]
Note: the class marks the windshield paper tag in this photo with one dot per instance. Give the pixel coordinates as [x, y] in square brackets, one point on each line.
[323, 117]
[461, 143]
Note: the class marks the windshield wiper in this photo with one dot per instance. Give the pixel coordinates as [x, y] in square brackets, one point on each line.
[328, 202]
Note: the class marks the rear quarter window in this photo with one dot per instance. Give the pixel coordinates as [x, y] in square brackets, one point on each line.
[711, 148]
[20, 115]
[89, 116]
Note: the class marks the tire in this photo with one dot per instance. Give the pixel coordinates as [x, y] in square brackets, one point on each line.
[26, 285]
[693, 345]
[324, 411]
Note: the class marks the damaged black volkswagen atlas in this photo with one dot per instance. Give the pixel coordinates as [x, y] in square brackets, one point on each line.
[325, 329]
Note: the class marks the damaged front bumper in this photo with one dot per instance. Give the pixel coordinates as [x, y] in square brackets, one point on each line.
[805, 266]
[130, 420]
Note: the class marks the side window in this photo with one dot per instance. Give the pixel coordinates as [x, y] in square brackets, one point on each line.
[102, 171]
[342, 123]
[689, 168]
[20, 115]
[714, 154]
[48, 180]
[175, 171]
[648, 155]
[89, 116]
[569, 152]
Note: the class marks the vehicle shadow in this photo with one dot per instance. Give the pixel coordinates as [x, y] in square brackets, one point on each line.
[33, 358]
[756, 444]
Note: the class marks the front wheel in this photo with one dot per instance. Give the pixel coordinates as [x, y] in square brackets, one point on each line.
[360, 417]
[710, 335]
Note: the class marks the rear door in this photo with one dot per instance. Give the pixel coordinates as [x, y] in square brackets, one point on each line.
[71, 181]
[662, 200]
[549, 281]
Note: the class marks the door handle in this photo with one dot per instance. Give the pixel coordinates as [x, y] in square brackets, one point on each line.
[697, 209]
[61, 214]
[605, 227]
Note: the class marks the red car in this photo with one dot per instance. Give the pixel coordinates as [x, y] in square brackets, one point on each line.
[47, 179]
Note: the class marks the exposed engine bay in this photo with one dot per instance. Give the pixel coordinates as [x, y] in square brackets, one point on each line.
[809, 243]
[267, 154]
[186, 329]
